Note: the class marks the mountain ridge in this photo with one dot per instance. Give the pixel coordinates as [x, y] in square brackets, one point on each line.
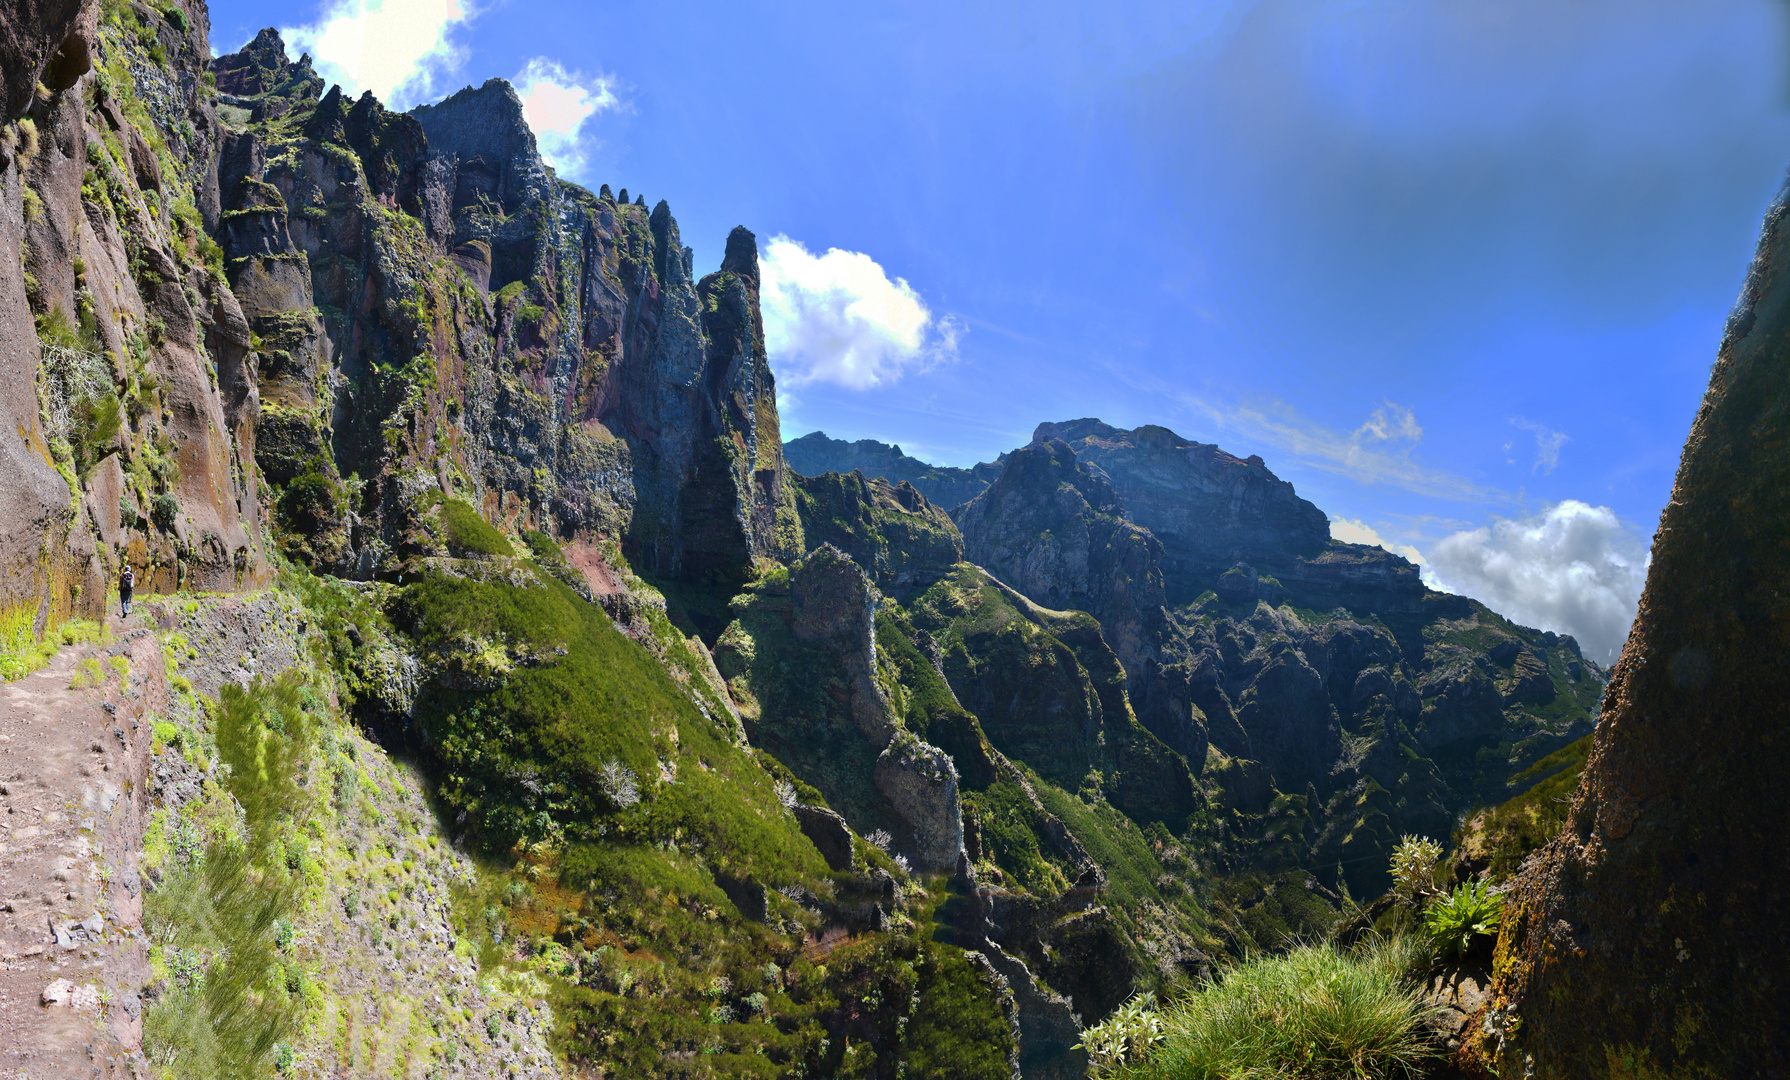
[750, 766]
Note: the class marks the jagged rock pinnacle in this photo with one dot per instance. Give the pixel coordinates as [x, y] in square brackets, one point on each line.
[742, 254]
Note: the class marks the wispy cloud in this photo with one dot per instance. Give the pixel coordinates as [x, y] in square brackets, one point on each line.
[399, 49]
[1361, 455]
[557, 103]
[1547, 443]
[839, 318]
[1390, 422]
[1573, 568]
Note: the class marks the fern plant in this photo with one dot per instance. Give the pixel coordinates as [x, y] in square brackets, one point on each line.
[1453, 921]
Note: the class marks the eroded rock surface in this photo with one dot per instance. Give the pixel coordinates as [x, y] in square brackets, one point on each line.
[1648, 938]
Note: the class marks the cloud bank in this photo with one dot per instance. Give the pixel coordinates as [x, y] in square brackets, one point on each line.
[1351, 531]
[556, 104]
[838, 318]
[1573, 569]
[399, 49]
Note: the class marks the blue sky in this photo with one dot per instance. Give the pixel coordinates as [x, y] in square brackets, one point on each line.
[1456, 270]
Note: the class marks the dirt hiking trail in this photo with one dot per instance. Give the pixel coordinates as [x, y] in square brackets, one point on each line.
[73, 803]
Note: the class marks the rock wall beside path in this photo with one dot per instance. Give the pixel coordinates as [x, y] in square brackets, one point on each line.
[1648, 938]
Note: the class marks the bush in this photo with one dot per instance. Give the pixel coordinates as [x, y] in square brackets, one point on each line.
[1124, 1038]
[1456, 919]
[1315, 1012]
[1414, 868]
[163, 509]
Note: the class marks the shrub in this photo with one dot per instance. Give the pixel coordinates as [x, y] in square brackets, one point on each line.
[619, 784]
[163, 509]
[1124, 1038]
[311, 501]
[1456, 919]
[1414, 868]
[87, 675]
[1316, 1012]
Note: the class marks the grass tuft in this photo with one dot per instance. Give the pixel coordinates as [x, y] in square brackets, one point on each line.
[1314, 1013]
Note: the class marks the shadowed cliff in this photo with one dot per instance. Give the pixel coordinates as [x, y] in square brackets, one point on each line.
[1648, 938]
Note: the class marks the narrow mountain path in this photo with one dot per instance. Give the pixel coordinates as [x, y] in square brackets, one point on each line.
[72, 812]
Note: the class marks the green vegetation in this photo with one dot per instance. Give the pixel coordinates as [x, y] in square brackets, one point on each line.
[1314, 1013]
[1454, 920]
[1050, 693]
[1500, 838]
[470, 534]
[897, 543]
[23, 652]
[569, 695]
[636, 826]
[1414, 868]
[213, 917]
[1263, 911]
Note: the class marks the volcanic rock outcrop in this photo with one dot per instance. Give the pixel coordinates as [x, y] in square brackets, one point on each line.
[891, 530]
[1648, 938]
[438, 310]
[802, 659]
[129, 406]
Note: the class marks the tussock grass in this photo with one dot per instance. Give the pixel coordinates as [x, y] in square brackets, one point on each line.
[216, 916]
[1316, 1012]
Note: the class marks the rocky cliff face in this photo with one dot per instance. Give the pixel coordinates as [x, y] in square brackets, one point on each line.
[1332, 702]
[890, 530]
[1647, 938]
[437, 310]
[815, 453]
[803, 663]
[1208, 508]
[1052, 527]
[130, 412]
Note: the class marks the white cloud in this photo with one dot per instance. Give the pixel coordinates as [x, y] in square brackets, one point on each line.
[1547, 444]
[556, 103]
[838, 318]
[1574, 569]
[1350, 531]
[396, 48]
[1390, 421]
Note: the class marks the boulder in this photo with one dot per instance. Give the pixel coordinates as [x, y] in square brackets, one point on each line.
[829, 833]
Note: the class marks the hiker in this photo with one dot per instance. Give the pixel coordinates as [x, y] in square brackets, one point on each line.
[126, 582]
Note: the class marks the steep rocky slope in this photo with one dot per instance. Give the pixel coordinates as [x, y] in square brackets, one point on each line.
[130, 429]
[438, 311]
[1647, 939]
[891, 530]
[704, 761]
[815, 453]
[1330, 701]
[258, 314]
